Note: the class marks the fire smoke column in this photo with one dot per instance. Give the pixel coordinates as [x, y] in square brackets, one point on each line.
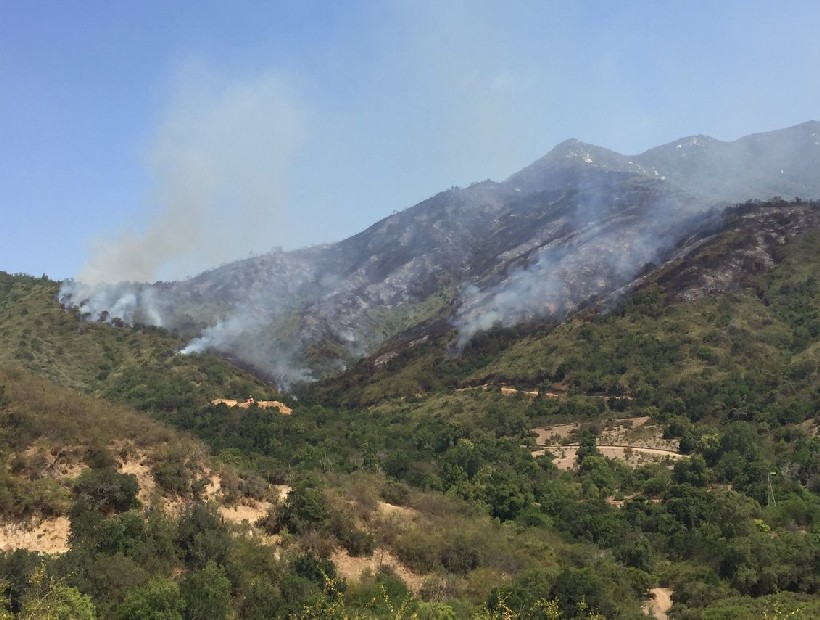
[219, 167]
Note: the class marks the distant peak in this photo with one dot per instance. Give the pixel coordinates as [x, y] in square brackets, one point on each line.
[693, 142]
[572, 148]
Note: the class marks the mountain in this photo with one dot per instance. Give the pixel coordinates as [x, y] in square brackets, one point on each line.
[738, 292]
[659, 442]
[573, 227]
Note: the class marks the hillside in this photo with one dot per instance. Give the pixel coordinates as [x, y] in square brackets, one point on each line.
[737, 292]
[481, 485]
[575, 225]
[580, 393]
[138, 364]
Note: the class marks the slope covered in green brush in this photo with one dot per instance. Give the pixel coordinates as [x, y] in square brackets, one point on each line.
[136, 364]
[735, 311]
[662, 442]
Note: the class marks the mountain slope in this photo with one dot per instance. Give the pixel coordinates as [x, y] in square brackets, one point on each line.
[575, 225]
[737, 291]
[108, 359]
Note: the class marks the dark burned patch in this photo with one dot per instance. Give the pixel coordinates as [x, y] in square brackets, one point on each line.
[748, 244]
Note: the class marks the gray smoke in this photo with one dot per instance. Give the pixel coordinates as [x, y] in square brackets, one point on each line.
[219, 165]
[238, 334]
[609, 244]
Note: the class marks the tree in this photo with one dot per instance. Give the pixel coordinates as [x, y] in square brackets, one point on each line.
[202, 536]
[588, 446]
[207, 593]
[105, 490]
[48, 599]
[692, 471]
[159, 599]
[304, 507]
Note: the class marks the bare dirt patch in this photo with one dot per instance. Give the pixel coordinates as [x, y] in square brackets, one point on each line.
[251, 512]
[47, 536]
[283, 490]
[351, 568]
[635, 441]
[142, 472]
[811, 427]
[263, 404]
[637, 432]
[391, 509]
[658, 606]
[554, 434]
[565, 455]
[213, 488]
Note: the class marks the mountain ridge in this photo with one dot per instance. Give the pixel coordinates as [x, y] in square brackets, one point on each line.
[491, 252]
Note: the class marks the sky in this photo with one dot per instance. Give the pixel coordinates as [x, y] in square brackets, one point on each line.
[145, 140]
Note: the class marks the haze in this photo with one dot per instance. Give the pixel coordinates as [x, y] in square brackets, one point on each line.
[155, 140]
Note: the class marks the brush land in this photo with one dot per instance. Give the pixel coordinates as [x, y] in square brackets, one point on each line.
[658, 457]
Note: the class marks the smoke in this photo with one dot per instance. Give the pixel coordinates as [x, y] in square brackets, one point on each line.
[219, 166]
[612, 240]
[255, 332]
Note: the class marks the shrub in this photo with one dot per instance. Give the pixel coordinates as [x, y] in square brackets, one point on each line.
[202, 537]
[207, 593]
[159, 599]
[105, 491]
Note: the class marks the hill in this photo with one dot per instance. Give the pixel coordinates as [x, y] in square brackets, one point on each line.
[657, 435]
[414, 487]
[738, 292]
[576, 225]
[138, 364]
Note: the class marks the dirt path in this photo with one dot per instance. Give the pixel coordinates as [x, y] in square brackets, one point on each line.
[658, 606]
[263, 404]
[511, 391]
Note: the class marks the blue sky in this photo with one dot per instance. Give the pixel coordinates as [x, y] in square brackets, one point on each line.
[145, 140]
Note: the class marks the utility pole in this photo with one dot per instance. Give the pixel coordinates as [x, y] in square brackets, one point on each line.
[770, 500]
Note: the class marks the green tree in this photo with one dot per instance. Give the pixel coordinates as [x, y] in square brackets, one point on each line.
[48, 599]
[202, 537]
[207, 593]
[159, 599]
[304, 507]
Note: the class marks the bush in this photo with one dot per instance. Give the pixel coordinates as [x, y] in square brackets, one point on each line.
[105, 491]
[459, 556]
[207, 593]
[202, 537]
[172, 477]
[159, 599]
[304, 508]
[357, 541]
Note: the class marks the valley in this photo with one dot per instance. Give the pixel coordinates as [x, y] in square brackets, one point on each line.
[647, 449]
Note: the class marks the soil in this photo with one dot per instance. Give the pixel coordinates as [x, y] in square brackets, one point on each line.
[351, 568]
[632, 440]
[658, 606]
[251, 512]
[391, 509]
[47, 536]
[145, 480]
[263, 404]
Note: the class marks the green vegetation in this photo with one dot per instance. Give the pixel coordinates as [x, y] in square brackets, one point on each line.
[418, 472]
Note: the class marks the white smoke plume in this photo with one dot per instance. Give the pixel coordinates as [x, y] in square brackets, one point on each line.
[238, 334]
[219, 166]
[598, 257]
